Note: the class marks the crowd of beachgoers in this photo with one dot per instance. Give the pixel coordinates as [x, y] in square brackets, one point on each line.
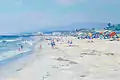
[99, 35]
[90, 36]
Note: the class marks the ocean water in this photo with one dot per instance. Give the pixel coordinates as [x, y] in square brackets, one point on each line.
[9, 46]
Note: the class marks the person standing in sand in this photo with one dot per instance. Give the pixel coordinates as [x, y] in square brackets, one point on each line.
[70, 43]
[52, 44]
[40, 46]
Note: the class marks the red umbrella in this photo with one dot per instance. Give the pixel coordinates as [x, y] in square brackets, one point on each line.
[112, 34]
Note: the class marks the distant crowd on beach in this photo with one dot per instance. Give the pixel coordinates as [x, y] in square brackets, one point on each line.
[99, 35]
[90, 36]
[58, 39]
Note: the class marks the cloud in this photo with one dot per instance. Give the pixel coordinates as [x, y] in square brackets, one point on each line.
[67, 2]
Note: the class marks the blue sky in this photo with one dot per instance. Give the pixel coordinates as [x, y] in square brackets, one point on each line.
[30, 15]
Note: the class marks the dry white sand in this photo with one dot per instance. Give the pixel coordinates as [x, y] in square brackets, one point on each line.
[99, 60]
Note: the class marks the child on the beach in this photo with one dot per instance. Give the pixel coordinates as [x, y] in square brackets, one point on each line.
[21, 48]
[69, 43]
[40, 46]
[90, 37]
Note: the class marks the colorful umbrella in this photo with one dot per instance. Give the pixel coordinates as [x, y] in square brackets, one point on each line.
[112, 34]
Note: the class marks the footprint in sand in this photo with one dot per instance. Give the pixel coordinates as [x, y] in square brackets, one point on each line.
[53, 66]
[46, 76]
[19, 69]
[82, 75]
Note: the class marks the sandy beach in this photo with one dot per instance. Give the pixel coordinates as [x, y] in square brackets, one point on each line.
[98, 60]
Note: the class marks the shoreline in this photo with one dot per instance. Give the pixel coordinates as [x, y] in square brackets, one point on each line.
[12, 65]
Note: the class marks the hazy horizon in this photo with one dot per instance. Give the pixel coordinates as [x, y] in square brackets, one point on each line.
[31, 15]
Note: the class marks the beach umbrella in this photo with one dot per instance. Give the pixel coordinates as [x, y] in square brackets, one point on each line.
[90, 34]
[118, 35]
[112, 34]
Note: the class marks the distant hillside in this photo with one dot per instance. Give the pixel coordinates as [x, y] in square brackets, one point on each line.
[76, 26]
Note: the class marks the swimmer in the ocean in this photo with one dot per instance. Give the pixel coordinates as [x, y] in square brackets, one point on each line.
[21, 46]
[4, 43]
